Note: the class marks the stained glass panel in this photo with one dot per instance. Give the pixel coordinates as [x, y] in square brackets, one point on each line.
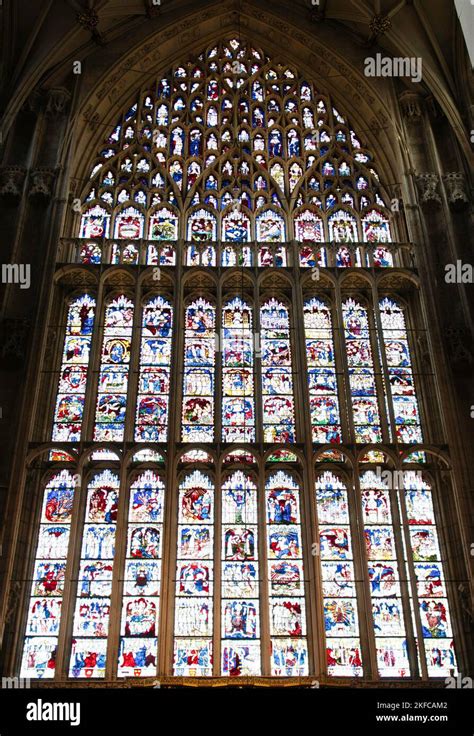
[74, 370]
[240, 577]
[114, 369]
[400, 372]
[92, 609]
[46, 596]
[339, 586]
[384, 576]
[194, 577]
[199, 361]
[361, 373]
[289, 653]
[141, 588]
[238, 404]
[322, 381]
[277, 378]
[154, 374]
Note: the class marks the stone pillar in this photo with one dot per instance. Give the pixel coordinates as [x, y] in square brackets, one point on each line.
[34, 156]
[436, 209]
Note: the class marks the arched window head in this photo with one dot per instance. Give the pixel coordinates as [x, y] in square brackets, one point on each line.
[231, 129]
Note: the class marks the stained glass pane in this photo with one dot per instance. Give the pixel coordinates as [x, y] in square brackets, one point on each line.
[69, 407]
[238, 404]
[114, 370]
[376, 230]
[46, 596]
[289, 652]
[154, 375]
[400, 372]
[199, 361]
[430, 577]
[385, 573]
[240, 577]
[277, 378]
[194, 577]
[322, 381]
[339, 588]
[361, 373]
[94, 589]
[141, 588]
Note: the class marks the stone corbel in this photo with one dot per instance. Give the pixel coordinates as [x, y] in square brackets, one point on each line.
[13, 335]
[33, 102]
[455, 186]
[428, 186]
[57, 101]
[12, 179]
[458, 341]
[41, 184]
[411, 105]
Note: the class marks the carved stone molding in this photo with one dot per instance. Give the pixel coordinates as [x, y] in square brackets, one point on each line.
[57, 101]
[11, 183]
[411, 105]
[455, 186]
[41, 184]
[427, 186]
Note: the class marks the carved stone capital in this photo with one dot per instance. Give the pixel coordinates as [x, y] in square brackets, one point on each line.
[41, 184]
[57, 101]
[411, 105]
[427, 186]
[12, 179]
[456, 190]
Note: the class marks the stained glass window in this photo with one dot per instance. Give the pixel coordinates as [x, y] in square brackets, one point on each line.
[430, 577]
[199, 361]
[94, 587]
[361, 373]
[341, 621]
[230, 183]
[376, 229]
[238, 404]
[114, 369]
[74, 370]
[385, 573]
[277, 378]
[154, 376]
[240, 577]
[194, 577]
[141, 587]
[289, 651]
[95, 223]
[400, 372]
[46, 596]
[322, 381]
